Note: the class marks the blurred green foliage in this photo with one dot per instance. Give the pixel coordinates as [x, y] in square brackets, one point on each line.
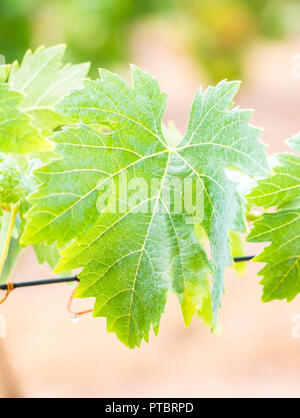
[217, 31]
[94, 30]
[220, 31]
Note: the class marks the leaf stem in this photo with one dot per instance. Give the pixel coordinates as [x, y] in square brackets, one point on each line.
[3, 256]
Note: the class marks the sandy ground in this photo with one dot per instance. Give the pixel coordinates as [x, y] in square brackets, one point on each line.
[255, 355]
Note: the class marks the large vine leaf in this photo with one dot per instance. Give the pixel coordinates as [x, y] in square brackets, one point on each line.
[282, 191]
[133, 257]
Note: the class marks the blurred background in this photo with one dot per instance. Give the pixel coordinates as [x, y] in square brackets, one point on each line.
[184, 43]
[218, 33]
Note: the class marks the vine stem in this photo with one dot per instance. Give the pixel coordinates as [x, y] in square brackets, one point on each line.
[13, 215]
[56, 280]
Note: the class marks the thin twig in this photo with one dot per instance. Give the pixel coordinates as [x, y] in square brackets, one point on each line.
[40, 282]
[244, 258]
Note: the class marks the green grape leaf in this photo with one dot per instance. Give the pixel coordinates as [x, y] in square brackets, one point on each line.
[46, 253]
[134, 251]
[44, 81]
[28, 94]
[281, 274]
[11, 187]
[197, 299]
[16, 180]
[16, 184]
[294, 142]
[17, 135]
[237, 250]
